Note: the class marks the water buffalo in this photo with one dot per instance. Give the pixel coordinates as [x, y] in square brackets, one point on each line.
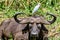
[35, 26]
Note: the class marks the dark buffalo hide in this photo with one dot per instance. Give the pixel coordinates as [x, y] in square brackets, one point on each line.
[9, 27]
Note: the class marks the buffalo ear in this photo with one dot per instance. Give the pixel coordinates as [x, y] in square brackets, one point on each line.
[44, 28]
[26, 29]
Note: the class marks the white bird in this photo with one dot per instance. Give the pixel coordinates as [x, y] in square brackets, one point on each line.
[36, 8]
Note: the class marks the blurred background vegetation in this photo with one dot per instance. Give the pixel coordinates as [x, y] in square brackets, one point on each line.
[9, 7]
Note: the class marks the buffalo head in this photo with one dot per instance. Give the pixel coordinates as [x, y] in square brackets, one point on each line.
[34, 23]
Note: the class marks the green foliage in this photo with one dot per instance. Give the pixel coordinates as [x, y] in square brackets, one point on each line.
[54, 38]
[9, 7]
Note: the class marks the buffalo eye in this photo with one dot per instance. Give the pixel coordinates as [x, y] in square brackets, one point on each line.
[39, 26]
[30, 26]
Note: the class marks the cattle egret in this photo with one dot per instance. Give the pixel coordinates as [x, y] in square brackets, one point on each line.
[36, 8]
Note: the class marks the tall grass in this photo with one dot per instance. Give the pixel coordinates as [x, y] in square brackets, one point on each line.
[6, 6]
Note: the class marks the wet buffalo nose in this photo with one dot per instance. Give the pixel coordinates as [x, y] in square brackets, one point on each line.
[34, 34]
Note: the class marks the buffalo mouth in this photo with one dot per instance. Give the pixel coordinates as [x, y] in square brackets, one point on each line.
[33, 38]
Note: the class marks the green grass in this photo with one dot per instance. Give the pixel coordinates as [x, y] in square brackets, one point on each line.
[54, 38]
